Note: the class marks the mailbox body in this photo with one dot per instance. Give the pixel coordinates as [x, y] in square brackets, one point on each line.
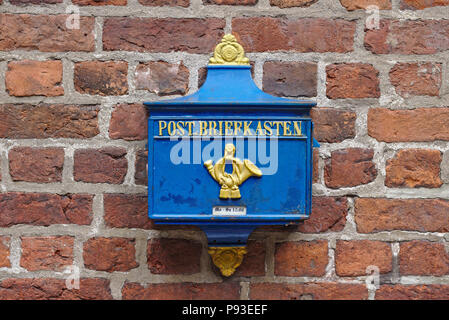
[229, 109]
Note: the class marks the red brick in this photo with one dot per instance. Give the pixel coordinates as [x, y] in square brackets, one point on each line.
[173, 256]
[353, 257]
[413, 292]
[352, 5]
[110, 254]
[128, 122]
[408, 37]
[105, 165]
[302, 258]
[46, 253]
[34, 78]
[352, 80]
[182, 291]
[54, 289]
[47, 33]
[292, 3]
[36, 164]
[126, 211]
[48, 121]
[163, 3]
[162, 78]
[141, 174]
[422, 124]
[315, 170]
[416, 79]
[231, 2]
[100, 2]
[328, 214]
[27, 2]
[253, 264]
[307, 291]
[423, 258]
[105, 78]
[423, 215]
[414, 168]
[43, 209]
[4, 252]
[291, 79]
[333, 125]
[162, 35]
[261, 34]
[422, 4]
[349, 168]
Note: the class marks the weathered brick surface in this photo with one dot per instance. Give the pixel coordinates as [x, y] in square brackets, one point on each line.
[126, 211]
[262, 34]
[414, 168]
[292, 3]
[408, 37]
[26, 2]
[352, 258]
[315, 164]
[34, 78]
[422, 4]
[54, 289]
[128, 122]
[352, 5]
[291, 79]
[352, 80]
[308, 291]
[415, 79]
[413, 292]
[110, 254]
[105, 165]
[47, 253]
[304, 258]
[48, 121]
[173, 256]
[48, 33]
[422, 124]
[141, 173]
[423, 258]
[36, 164]
[328, 214]
[333, 125]
[105, 78]
[182, 291]
[163, 3]
[424, 215]
[253, 264]
[162, 78]
[100, 2]
[162, 35]
[231, 2]
[4, 252]
[43, 209]
[350, 167]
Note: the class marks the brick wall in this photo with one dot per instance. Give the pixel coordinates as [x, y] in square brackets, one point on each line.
[72, 139]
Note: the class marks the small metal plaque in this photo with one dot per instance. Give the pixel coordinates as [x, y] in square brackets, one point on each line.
[229, 211]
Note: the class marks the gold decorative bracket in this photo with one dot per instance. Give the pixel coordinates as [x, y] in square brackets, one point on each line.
[229, 52]
[227, 259]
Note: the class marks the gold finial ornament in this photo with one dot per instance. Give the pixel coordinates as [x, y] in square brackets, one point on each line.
[241, 170]
[229, 52]
[227, 259]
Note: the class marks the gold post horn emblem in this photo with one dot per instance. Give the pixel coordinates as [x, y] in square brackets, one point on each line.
[241, 171]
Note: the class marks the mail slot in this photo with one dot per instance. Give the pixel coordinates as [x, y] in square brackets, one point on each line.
[229, 158]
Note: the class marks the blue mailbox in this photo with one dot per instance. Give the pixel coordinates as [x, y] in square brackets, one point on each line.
[229, 157]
